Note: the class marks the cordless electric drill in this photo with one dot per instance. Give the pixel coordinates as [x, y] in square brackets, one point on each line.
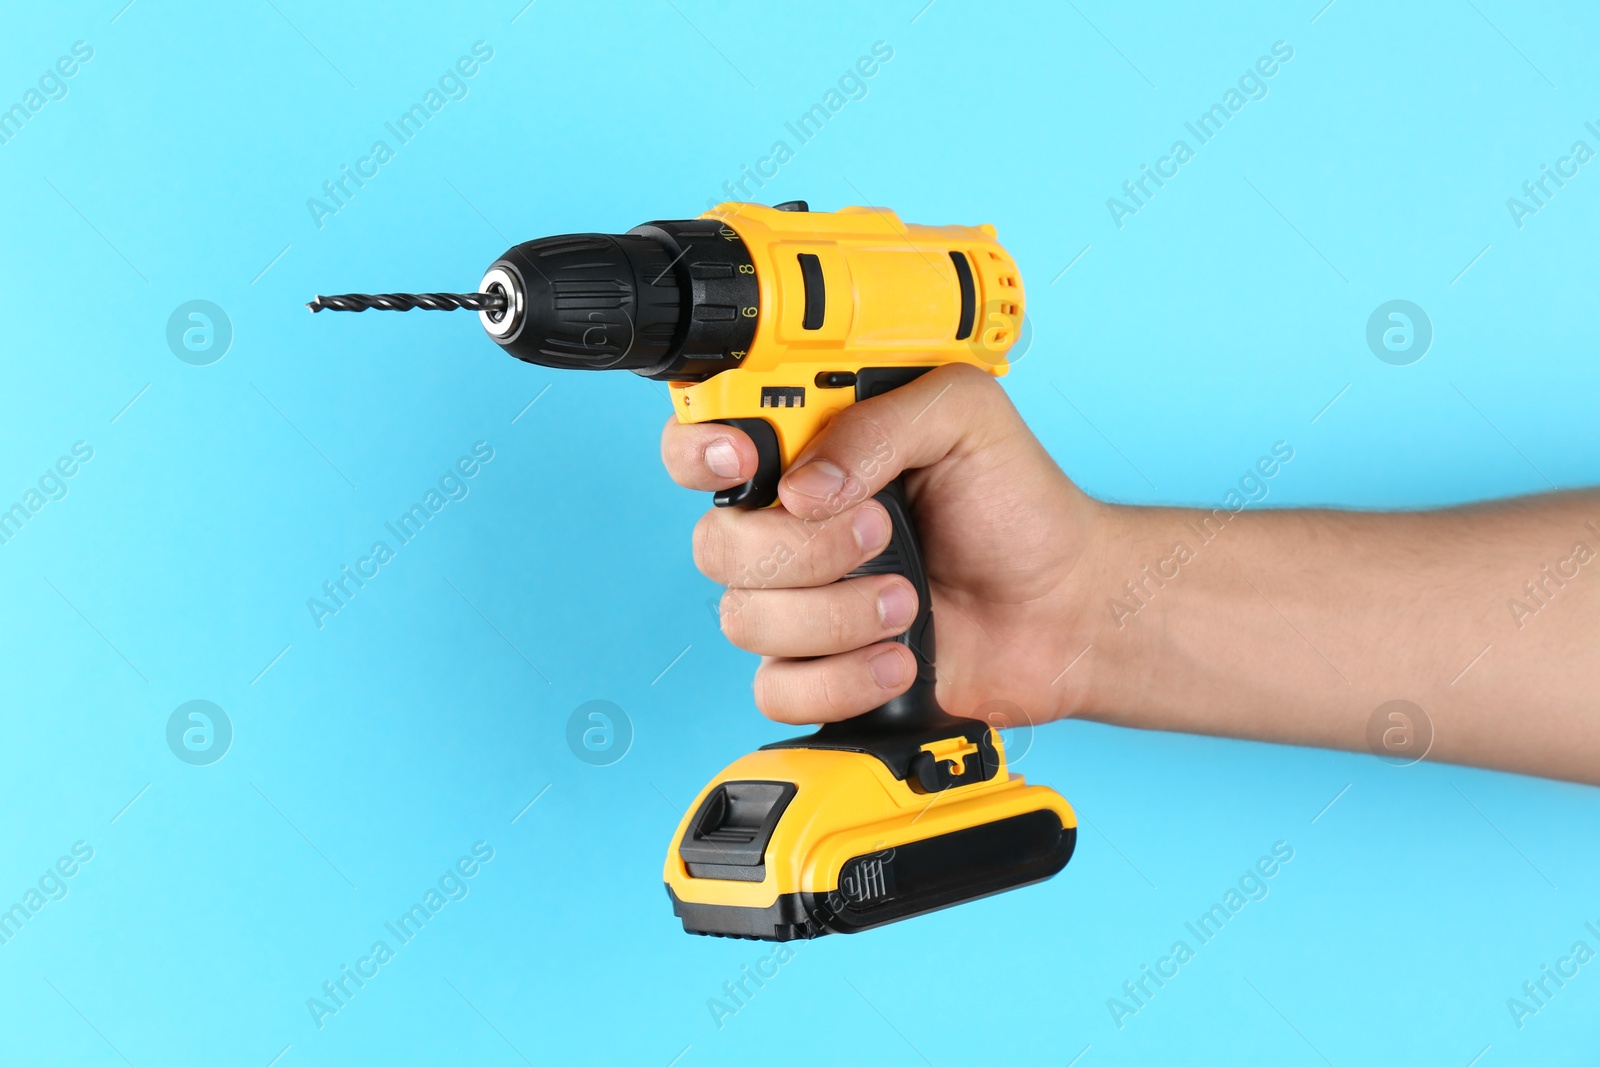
[772, 320]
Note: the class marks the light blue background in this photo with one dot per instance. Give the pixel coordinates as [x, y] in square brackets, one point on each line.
[428, 713]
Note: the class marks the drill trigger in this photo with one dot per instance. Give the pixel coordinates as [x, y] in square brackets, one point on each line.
[762, 490]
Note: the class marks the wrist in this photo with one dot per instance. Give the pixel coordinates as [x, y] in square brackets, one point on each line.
[1090, 654]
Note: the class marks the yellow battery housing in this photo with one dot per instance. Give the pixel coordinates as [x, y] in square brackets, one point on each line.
[855, 848]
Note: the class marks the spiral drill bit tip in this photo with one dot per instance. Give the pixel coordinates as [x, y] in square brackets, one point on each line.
[407, 301]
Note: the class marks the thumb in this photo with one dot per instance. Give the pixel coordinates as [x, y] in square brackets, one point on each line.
[949, 410]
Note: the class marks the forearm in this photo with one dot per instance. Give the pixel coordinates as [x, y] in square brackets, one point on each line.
[1295, 626]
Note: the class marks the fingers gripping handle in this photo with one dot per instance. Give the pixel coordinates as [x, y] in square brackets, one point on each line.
[903, 556]
[915, 738]
[916, 709]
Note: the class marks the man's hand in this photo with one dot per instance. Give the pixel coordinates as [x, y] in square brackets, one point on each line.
[1003, 533]
[1297, 626]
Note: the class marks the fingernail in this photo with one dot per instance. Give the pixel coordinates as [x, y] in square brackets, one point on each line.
[722, 458]
[819, 478]
[888, 668]
[896, 606]
[871, 527]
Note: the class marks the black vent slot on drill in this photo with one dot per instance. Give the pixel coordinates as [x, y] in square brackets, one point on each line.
[783, 396]
[727, 838]
[969, 295]
[816, 295]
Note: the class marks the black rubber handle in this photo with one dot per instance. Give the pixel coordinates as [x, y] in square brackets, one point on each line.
[916, 707]
[900, 731]
[903, 556]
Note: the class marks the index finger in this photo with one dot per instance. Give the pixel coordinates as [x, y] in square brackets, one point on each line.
[707, 455]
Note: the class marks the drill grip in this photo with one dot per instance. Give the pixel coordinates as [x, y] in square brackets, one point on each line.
[911, 733]
[915, 708]
[908, 732]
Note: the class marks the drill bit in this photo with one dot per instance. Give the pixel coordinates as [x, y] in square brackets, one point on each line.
[407, 301]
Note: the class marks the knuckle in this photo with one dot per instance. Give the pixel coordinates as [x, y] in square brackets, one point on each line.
[872, 429]
[769, 690]
[860, 441]
[761, 690]
[838, 619]
[816, 540]
[738, 621]
[769, 567]
[786, 565]
[743, 550]
[965, 375]
[875, 447]
[969, 386]
[679, 453]
[816, 562]
[833, 689]
[710, 547]
[980, 391]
